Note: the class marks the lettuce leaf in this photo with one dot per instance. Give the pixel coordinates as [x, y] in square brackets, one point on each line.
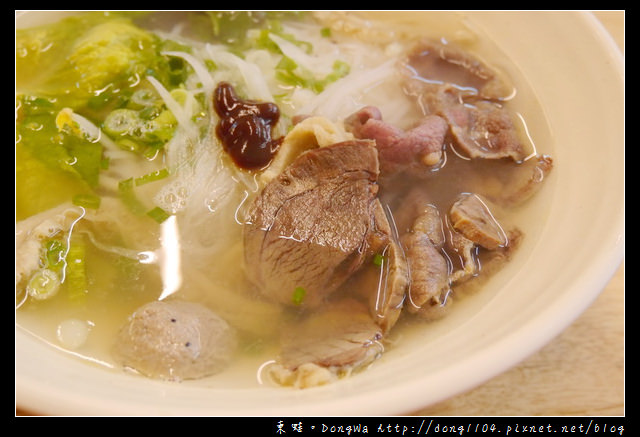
[90, 58]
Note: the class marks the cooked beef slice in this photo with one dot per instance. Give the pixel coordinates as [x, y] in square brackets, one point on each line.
[341, 336]
[506, 183]
[436, 64]
[429, 289]
[383, 285]
[470, 215]
[466, 257]
[313, 225]
[387, 303]
[446, 243]
[484, 130]
[481, 242]
[523, 184]
[468, 94]
[491, 261]
[416, 150]
[308, 133]
[175, 340]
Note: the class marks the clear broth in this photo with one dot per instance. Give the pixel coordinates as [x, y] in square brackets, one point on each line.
[110, 303]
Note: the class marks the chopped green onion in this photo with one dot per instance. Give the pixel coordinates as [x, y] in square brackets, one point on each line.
[286, 63]
[151, 177]
[129, 144]
[158, 214]
[325, 32]
[378, 259]
[43, 284]
[86, 201]
[298, 295]
[136, 130]
[76, 274]
[286, 72]
[121, 122]
[149, 112]
[126, 189]
[143, 98]
[54, 255]
[129, 198]
[211, 66]
[340, 69]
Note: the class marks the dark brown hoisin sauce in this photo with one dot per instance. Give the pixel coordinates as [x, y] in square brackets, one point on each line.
[245, 128]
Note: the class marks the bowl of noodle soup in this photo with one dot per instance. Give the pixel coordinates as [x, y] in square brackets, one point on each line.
[573, 227]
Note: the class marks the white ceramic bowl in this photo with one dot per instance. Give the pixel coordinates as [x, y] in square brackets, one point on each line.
[577, 74]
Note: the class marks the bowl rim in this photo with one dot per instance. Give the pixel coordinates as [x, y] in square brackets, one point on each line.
[605, 265]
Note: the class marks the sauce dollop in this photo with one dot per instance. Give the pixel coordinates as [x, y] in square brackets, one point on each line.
[245, 128]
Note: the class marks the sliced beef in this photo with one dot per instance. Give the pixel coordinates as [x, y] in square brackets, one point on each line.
[335, 341]
[468, 94]
[429, 291]
[505, 183]
[314, 225]
[482, 244]
[447, 246]
[383, 285]
[341, 335]
[416, 150]
[437, 64]
[466, 252]
[175, 340]
[387, 303]
[472, 98]
[523, 184]
[347, 332]
[484, 130]
[490, 262]
[470, 215]
[319, 227]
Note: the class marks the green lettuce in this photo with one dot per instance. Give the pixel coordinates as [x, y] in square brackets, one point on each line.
[91, 59]
[93, 64]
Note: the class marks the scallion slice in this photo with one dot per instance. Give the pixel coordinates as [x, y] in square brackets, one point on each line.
[298, 295]
[151, 177]
[158, 214]
[86, 201]
[43, 284]
[76, 274]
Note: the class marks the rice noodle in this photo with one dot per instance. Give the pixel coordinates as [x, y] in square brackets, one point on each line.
[316, 64]
[343, 97]
[251, 74]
